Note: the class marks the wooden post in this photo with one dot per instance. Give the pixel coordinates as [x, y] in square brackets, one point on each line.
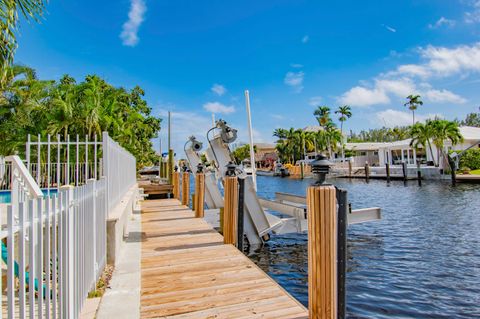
[199, 195]
[186, 188]
[451, 162]
[230, 211]
[350, 169]
[387, 172]
[404, 170]
[176, 185]
[170, 166]
[322, 252]
[419, 174]
[367, 172]
[222, 210]
[302, 170]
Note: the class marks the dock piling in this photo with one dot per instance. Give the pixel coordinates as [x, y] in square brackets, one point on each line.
[322, 251]
[230, 210]
[404, 171]
[350, 169]
[387, 171]
[419, 175]
[186, 188]
[199, 195]
[367, 172]
[176, 185]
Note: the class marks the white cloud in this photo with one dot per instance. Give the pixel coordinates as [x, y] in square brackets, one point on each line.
[295, 80]
[435, 63]
[361, 96]
[442, 22]
[400, 87]
[413, 70]
[130, 28]
[305, 39]
[296, 65]
[218, 89]
[444, 96]
[315, 100]
[473, 16]
[392, 118]
[442, 61]
[389, 28]
[217, 107]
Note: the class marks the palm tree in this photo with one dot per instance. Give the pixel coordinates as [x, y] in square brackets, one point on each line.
[8, 25]
[322, 114]
[443, 130]
[421, 135]
[413, 103]
[345, 113]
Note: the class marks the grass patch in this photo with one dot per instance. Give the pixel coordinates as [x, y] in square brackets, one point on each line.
[475, 172]
[102, 283]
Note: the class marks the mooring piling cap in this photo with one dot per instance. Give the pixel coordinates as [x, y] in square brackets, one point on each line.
[200, 168]
[231, 167]
[320, 168]
[175, 168]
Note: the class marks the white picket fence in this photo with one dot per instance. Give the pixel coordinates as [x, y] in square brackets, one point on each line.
[120, 168]
[54, 245]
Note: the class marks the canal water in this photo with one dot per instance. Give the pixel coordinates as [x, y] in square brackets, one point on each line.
[422, 260]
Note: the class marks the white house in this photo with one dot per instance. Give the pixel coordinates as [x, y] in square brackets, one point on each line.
[377, 154]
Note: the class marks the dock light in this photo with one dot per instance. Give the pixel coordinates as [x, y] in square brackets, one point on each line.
[231, 167]
[200, 168]
[320, 168]
[196, 144]
[175, 168]
[227, 133]
[185, 168]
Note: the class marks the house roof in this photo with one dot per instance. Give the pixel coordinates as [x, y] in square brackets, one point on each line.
[470, 133]
[375, 146]
[264, 145]
[312, 128]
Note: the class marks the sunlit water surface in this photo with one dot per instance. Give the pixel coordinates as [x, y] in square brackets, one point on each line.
[421, 260]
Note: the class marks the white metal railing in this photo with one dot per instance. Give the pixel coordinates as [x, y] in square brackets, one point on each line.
[56, 249]
[54, 163]
[66, 161]
[23, 186]
[120, 169]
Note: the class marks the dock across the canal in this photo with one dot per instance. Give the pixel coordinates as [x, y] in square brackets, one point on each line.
[188, 272]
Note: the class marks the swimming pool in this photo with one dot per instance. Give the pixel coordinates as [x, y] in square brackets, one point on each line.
[5, 196]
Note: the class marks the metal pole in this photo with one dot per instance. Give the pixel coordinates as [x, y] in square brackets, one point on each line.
[240, 227]
[343, 208]
[250, 133]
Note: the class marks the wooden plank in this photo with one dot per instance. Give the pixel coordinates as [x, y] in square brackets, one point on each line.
[187, 271]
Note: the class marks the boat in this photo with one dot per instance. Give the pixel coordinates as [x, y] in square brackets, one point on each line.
[280, 170]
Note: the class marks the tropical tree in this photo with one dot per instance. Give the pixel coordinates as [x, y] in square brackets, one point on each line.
[443, 130]
[421, 135]
[413, 102]
[322, 114]
[32, 106]
[9, 9]
[345, 113]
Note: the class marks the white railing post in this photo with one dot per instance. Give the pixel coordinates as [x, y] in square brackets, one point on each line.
[93, 184]
[69, 274]
[106, 163]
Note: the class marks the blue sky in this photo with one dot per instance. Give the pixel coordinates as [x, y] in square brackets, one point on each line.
[197, 57]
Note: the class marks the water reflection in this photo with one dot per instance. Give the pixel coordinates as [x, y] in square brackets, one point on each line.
[421, 260]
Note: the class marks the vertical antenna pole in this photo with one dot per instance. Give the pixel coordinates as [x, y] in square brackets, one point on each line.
[250, 133]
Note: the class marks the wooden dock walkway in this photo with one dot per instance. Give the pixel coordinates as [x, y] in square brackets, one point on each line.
[187, 271]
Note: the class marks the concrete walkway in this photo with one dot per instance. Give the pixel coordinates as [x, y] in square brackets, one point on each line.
[122, 299]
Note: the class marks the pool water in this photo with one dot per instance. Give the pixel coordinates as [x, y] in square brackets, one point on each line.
[5, 196]
[422, 260]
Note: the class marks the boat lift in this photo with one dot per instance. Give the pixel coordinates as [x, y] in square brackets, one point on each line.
[259, 221]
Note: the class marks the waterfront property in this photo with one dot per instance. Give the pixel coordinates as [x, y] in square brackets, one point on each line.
[397, 152]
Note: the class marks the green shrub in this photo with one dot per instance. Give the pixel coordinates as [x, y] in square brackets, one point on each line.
[471, 159]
